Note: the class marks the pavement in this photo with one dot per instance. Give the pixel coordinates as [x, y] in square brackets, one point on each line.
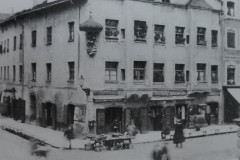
[56, 138]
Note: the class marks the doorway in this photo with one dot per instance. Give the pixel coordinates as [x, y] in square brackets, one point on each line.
[32, 107]
[70, 114]
[157, 117]
[113, 117]
[49, 115]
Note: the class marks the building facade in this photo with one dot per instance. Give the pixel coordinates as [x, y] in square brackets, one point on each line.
[96, 63]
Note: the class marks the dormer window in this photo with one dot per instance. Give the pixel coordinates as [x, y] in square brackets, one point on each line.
[230, 8]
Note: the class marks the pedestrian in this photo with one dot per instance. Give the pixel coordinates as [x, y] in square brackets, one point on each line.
[69, 135]
[160, 153]
[165, 131]
[178, 137]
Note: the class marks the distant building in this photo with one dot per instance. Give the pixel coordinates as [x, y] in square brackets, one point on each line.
[94, 62]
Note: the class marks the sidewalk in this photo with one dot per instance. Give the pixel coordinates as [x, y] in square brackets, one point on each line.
[57, 139]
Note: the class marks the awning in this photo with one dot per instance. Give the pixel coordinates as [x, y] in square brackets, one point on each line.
[171, 98]
[235, 92]
[101, 99]
[192, 93]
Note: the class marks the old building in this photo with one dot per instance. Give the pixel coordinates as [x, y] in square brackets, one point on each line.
[231, 59]
[103, 63]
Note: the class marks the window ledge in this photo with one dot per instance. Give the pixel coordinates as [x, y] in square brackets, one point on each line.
[139, 81]
[179, 82]
[33, 80]
[48, 81]
[48, 44]
[71, 40]
[159, 44]
[214, 82]
[202, 82]
[111, 39]
[111, 82]
[158, 83]
[201, 46]
[180, 45]
[140, 41]
[70, 81]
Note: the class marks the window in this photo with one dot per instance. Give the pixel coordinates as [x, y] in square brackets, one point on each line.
[21, 42]
[230, 39]
[201, 33]
[201, 72]
[49, 72]
[34, 72]
[214, 38]
[14, 43]
[20, 72]
[179, 35]
[34, 38]
[231, 75]
[214, 73]
[1, 73]
[230, 8]
[159, 34]
[71, 31]
[140, 30]
[1, 48]
[123, 33]
[71, 71]
[49, 35]
[4, 49]
[187, 75]
[123, 74]
[7, 72]
[111, 30]
[7, 45]
[179, 73]
[4, 72]
[111, 71]
[14, 73]
[158, 72]
[139, 70]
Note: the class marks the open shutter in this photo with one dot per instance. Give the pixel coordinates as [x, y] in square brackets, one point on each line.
[54, 116]
[43, 115]
[100, 121]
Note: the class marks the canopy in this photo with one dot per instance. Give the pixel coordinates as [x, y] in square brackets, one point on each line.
[235, 92]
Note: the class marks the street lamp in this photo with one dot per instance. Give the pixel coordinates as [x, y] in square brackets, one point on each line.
[81, 81]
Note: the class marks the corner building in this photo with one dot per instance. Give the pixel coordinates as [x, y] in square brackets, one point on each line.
[91, 63]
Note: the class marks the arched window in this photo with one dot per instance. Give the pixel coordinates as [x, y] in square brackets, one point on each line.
[231, 75]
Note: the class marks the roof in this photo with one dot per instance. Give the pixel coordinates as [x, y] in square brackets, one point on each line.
[4, 16]
[40, 7]
[202, 4]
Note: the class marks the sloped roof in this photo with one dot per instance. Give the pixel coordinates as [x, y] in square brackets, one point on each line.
[202, 4]
[4, 16]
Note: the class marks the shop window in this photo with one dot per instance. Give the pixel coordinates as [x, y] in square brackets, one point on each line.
[158, 72]
[34, 72]
[231, 75]
[159, 34]
[34, 38]
[14, 43]
[214, 73]
[139, 70]
[230, 8]
[49, 72]
[49, 35]
[230, 39]
[111, 30]
[71, 71]
[20, 72]
[201, 36]
[71, 31]
[201, 72]
[21, 41]
[179, 35]
[14, 73]
[214, 38]
[140, 30]
[111, 71]
[179, 73]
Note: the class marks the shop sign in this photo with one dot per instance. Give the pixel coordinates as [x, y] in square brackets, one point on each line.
[161, 93]
[106, 92]
[177, 93]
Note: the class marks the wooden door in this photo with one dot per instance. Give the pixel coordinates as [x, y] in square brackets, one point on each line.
[100, 121]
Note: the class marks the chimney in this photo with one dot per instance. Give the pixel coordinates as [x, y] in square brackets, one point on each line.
[37, 2]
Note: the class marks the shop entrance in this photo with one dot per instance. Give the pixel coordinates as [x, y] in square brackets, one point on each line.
[181, 113]
[70, 114]
[33, 107]
[214, 108]
[113, 116]
[157, 117]
[49, 115]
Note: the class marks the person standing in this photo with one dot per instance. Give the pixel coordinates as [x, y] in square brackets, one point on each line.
[178, 137]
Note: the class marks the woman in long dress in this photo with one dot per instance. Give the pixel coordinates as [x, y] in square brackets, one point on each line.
[178, 137]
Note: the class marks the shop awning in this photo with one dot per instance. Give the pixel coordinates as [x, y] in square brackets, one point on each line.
[171, 98]
[101, 99]
[235, 92]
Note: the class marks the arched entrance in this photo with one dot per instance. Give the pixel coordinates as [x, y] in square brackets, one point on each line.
[32, 107]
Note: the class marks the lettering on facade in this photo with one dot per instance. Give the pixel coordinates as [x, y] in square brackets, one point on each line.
[106, 92]
[169, 93]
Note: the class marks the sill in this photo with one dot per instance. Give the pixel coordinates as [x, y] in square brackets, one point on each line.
[201, 45]
[112, 39]
[111, 82]
[160, 44]
[179, 82]
[48, 81]
[180, 44]
[214, 47]
[202, 82]
[140, 40]
[33, 80]
[70, 81]
[71, 40]
[214, 82]
[158, 83]
[48, 44]
[138, 81]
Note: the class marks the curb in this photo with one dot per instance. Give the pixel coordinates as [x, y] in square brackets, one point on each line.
[27, 137]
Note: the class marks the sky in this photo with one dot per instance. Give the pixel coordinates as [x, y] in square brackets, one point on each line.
[7, 6]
